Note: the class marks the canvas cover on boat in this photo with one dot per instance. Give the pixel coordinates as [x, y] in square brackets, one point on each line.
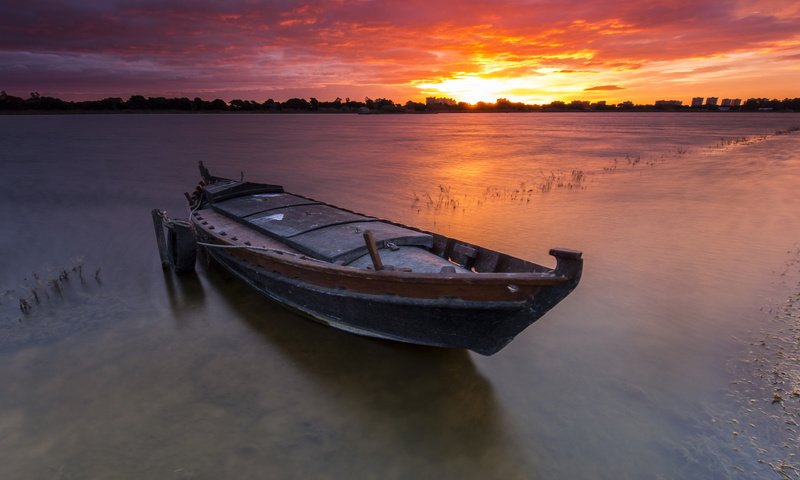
[319, 230]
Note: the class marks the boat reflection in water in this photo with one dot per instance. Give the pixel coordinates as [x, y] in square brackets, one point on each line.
[428, 403]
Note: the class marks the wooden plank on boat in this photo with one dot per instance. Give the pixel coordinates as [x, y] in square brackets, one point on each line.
[486, 261]
[291, 221]
[345, 242]
[252, 204]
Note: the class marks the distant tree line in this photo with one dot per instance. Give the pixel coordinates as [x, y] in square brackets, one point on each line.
[139, 103]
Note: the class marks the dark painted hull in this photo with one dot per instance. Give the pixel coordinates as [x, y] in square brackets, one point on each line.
[481, 326]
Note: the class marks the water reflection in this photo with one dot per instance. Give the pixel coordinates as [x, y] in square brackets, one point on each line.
[185, 294]
[430, 404]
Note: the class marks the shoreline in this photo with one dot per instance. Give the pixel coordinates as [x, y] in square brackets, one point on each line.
[301, 112]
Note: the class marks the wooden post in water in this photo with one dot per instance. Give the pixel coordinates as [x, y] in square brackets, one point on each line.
[158, 223]
[373, 250]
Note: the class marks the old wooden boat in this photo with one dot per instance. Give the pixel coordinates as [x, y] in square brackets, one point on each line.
[362, 274]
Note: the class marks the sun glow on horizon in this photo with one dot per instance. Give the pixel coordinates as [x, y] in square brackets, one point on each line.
[541, 87]
[527, 82]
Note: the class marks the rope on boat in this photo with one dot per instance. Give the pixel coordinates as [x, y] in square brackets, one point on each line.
[192, 210]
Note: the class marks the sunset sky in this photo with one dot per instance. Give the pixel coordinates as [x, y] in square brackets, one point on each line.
[535, 51]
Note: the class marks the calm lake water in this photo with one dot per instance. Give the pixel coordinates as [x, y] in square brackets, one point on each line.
[662, 364]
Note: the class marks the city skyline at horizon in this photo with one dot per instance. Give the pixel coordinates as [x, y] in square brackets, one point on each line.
[696, 101]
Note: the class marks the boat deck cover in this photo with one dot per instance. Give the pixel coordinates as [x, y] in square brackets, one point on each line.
[253, 204]
[316, 229]
[345, 242]
[290, 221]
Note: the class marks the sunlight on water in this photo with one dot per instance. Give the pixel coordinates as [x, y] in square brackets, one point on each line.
[689, 228]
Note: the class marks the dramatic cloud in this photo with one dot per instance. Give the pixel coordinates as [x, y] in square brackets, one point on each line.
[471, 50]
[604, 87]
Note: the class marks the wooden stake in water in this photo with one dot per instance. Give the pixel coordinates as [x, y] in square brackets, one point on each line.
[158, 223]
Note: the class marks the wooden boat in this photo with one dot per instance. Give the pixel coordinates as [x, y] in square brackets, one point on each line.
[362, 274]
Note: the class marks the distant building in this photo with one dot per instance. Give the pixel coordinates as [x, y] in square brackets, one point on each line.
[697, 102]
[711, 101]
[728, 103]
[668, 103]
[579, 105]
[433, 101]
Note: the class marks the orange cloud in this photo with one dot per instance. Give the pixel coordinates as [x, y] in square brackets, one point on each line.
[467, 49]
[603, 87]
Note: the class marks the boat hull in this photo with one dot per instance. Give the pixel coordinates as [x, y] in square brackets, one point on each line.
[481, 326]
[365, 275]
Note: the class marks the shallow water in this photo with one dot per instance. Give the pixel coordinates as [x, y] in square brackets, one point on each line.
[689, 228]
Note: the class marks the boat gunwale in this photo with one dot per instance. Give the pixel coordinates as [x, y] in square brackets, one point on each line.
[307, 262]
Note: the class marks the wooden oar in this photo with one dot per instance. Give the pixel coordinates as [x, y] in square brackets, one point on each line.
[373, 250]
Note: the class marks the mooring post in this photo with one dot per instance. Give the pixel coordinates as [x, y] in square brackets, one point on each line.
[158, 223]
